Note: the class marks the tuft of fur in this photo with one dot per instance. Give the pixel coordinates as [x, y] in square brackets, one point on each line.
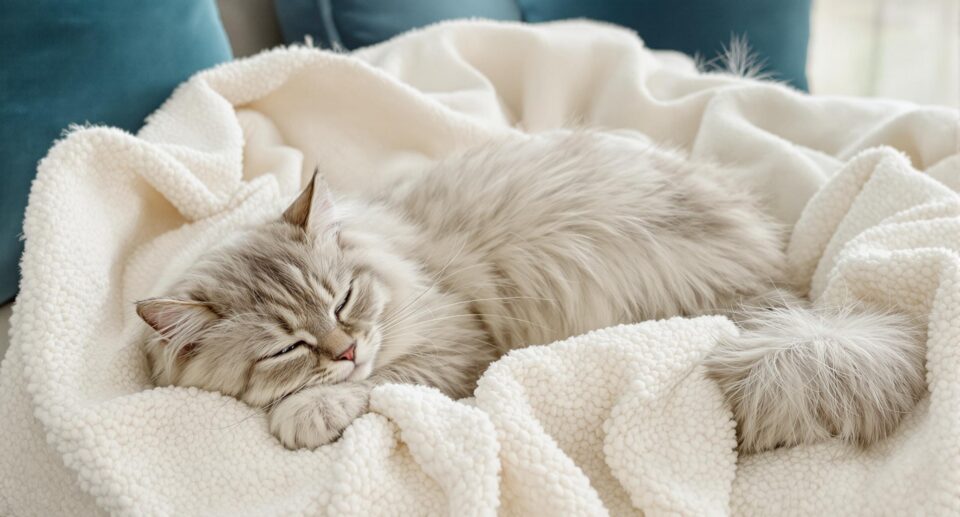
[738, 59]
[801, 374]
[513, 243]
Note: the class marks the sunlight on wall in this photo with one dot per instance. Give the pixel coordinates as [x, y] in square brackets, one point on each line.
[901, 49]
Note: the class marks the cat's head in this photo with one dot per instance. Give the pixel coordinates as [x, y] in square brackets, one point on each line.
[283, 305]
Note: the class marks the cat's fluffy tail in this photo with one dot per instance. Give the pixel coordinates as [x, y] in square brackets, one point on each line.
[801, 374]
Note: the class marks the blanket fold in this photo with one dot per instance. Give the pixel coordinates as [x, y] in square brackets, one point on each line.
[617, 421]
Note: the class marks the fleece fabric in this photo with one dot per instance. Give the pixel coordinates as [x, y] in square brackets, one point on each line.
[619, 421]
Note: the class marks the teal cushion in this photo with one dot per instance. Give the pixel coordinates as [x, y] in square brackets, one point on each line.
[87, 61]
[777, 30]
[351, 24]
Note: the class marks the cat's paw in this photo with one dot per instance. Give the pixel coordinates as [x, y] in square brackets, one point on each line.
[317, 415]
[796, 375]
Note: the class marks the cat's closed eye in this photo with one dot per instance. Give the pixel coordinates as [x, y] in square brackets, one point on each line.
[338, 312]
[286, 350]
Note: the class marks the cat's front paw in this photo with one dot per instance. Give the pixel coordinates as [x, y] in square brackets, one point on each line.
[317, 415]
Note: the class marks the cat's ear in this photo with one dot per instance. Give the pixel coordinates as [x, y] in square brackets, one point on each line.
[176, 320]
[313, 208]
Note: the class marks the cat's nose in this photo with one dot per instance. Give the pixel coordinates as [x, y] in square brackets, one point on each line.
[349, 354]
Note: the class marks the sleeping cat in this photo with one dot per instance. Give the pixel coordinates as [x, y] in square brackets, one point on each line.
[517, 243]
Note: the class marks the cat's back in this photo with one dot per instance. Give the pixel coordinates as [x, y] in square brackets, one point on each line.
[608, 228]
[570, 182]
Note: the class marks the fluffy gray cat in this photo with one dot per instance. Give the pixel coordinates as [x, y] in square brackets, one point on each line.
[513, 244]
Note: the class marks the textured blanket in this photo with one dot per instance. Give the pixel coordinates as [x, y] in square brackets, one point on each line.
[617, 421]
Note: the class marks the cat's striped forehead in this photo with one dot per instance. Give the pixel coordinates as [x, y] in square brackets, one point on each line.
[278, 277]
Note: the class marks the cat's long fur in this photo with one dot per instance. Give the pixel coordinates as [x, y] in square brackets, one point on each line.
[518, 243]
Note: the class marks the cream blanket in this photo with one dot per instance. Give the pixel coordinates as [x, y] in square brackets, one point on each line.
[613, 422]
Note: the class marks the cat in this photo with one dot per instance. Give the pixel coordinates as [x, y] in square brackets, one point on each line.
[520, 242]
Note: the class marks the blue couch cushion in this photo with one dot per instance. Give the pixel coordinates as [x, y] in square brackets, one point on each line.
[777, 30]
[351, 24]
[77, 61]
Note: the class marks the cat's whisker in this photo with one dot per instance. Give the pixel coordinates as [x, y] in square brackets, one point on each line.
[439, 277]
[485, 315]
[442, 275]
[436, 277]
[387, 325]
[389, 342]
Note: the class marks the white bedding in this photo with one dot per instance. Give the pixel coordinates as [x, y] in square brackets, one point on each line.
[5, 311]
[613, 422]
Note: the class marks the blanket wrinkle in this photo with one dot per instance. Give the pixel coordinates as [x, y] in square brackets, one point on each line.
[869, 190]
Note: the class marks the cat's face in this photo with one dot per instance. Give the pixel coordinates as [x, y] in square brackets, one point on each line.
[285, 305]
